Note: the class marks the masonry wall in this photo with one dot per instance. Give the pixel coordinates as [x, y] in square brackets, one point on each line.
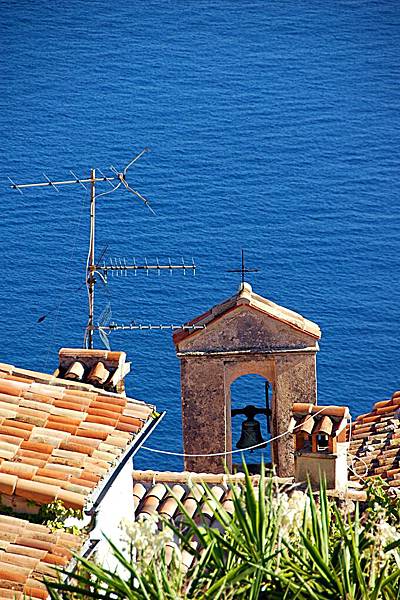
[295, 381]
[244, 328]
[206, 404]
[241, 342]
[204, 415]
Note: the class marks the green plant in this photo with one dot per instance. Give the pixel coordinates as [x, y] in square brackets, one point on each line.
[54, 515]
[338, 557]
[274, 544]
[231, 559]
[380, 503]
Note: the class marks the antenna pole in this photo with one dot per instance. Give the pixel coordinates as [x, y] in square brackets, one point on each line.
[92, 268]
[91, 261]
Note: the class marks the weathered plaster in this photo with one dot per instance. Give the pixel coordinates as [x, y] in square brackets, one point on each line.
[295, 381]
[244, 328]
[333, 467]
[240, 342]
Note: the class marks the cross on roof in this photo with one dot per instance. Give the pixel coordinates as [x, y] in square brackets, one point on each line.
[243, 269]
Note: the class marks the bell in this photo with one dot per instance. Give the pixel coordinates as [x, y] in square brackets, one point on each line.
[251, 434]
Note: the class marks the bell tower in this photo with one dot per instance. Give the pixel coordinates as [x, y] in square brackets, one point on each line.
[245, 334]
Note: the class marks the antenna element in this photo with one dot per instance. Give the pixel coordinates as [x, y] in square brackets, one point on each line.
[120, 267]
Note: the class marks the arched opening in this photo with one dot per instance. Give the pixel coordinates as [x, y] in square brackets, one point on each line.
[250, 427]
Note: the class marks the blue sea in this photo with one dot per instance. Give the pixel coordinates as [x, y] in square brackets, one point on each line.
[274, 126]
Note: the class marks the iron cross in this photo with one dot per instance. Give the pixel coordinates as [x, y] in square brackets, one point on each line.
[243, 269]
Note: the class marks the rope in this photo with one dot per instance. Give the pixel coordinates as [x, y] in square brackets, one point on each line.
[355, 458]
[277, 437]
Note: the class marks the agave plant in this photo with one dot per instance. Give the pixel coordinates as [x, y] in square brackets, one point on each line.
[231, 560]
[271, 545]
[340, 557]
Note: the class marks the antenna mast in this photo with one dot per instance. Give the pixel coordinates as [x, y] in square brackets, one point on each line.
[92, 268]
[91, 263]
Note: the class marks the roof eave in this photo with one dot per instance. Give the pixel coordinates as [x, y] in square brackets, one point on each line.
[182, 334]
[137, 442]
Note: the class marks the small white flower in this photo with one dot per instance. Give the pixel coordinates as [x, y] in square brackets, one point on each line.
[145, 538]
[291, 510]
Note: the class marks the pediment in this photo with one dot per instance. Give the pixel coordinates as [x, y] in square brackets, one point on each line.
[248, 322]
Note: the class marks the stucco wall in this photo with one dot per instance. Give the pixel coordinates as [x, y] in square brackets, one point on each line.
[241, 342]
[204, 415]
[246, 328]
[313, 466]
[295, 381]
[116, 505]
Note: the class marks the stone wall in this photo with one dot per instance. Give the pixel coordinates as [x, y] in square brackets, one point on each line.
[240, 342]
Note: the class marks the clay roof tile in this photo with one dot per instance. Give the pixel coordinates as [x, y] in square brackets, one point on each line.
[75, 371]
[153, 498]
[307, 424]
[379, 431]
[99, 374]
[13, 387]
[210, 504]
[169, 506]
[35, 553]
[162, 492]
[139, 491]
[58, 438]
[382, 404]
[324, 425]
[115, 400]
[7, 483]
[301, 408]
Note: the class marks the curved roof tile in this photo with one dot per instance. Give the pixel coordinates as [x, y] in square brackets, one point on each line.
[59, 438]
[28, 553]
[375, 442]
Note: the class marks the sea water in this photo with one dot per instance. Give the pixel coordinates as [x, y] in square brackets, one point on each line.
[273, 127]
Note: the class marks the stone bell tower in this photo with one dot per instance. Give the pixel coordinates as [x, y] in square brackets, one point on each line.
[246, 334]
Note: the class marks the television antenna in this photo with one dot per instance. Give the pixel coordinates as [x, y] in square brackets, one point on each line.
[94, 270]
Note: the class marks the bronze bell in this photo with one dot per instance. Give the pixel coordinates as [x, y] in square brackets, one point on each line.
[251, 434]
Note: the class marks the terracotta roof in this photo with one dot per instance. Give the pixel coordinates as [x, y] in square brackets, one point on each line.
[28, 553]
[375, 442]
[245, 295]
[101, 368]
[154, 491]
[314, 419]
[58, 439]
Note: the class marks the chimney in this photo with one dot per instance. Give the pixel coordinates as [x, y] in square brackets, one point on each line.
[101, 368]
[320, 444]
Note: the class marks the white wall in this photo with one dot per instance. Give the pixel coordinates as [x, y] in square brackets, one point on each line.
[115, 506]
